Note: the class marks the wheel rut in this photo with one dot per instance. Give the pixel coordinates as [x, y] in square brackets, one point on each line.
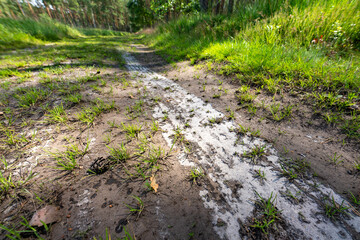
[234, 187]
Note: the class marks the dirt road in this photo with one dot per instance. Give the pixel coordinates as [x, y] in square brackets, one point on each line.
[119, 142]
[242, 169]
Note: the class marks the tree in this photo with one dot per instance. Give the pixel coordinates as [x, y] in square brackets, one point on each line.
[204, 5]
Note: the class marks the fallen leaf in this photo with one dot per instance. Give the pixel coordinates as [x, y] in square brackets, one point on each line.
[153, 184]
[48, 214]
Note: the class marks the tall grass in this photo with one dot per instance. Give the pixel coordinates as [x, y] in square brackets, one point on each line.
[309, 43]
[27, 32]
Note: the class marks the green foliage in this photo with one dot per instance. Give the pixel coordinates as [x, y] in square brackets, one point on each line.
[119, 154]
[27, 97]
[269, 213]
[27, 32]
[67, 160]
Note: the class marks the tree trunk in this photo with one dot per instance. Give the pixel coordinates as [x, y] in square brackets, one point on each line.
[237, 4]
[204, 5]
[93, 18]
[230, 6]
[217, 7]
[31, 9]
[222, 3]
[48, 10]
[22, 11]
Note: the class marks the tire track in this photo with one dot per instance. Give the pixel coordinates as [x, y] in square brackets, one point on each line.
[219, 153]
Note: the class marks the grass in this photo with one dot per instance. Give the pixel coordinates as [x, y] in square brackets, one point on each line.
[21, 33]
[88, 114]
[334, 210]
[119, 154]
[131, 130]
[57, 114]
[139, 208]
[17, 234]
[196, 174]
[28, 97]
[27, 32]
[269, 213]
[255, 153]
[68, 160]
[8, 183]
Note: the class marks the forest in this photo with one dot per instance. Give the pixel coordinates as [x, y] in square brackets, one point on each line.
[179, 119]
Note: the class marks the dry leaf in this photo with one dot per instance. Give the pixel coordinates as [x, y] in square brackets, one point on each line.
[153, 183]
[48, 214]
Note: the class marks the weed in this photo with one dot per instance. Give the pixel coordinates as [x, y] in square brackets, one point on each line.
[278, 114]
[67, 160]
[292, 196]
[269, 213]
[333, 210]
[218, 95]
[107, 138]
[245, 97]
[139, 208]
[354, 199]
[132, 130]
[57, 114]
[252, 109]
[6, 165]
[154, 126]
[247, 131]
[28, 97]
[288, 172]
[119, 154]
[155, 154]
[357, 165]
[8, 183]
[196, 174]
[336, 159]
[17, 234]
[113, 124]
[255, 153]
[88, 115]
[231, 115]
[260, 174]
[74, 98]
